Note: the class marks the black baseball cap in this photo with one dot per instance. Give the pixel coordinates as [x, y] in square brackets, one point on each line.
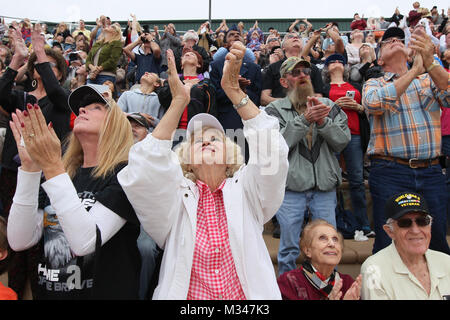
[139, 118]
[87, 94]
[405, 202]
[393, 32]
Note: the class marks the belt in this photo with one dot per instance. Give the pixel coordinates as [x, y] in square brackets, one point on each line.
[412, 163]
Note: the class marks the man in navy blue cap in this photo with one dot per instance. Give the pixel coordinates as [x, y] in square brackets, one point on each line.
[407, 269]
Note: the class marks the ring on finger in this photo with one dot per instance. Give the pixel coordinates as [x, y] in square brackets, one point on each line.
[31, 135]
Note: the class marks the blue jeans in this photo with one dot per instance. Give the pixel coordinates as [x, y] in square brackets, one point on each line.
[149, 251]
[290, 216]
[101, 79]
[388, 177]
[446, 152]
[354, 162]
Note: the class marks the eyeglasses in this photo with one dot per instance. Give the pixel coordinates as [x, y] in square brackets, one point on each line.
[292, 36]
[298, 71]
[422, 221]
[392, 40]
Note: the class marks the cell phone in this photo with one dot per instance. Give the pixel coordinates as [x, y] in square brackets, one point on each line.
[350, 94]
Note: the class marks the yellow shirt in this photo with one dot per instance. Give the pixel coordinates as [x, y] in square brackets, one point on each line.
[386, 277]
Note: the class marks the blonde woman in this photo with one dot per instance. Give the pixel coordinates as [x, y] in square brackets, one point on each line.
[207, 209]
[86, 227]
[104, 56]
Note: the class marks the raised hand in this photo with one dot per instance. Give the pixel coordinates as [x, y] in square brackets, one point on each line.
[179, 91]
[316, 111]
[232, 66]
[41, 141]
[421, 43]
[20, 48]
[27, 164]
[37, 39]
[354, 292]
[336, 292]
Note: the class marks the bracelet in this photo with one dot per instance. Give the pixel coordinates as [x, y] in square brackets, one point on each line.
[243, 102]
[434, 64]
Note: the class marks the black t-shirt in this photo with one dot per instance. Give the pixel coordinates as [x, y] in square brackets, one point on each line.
[112, 271]
[271, 80]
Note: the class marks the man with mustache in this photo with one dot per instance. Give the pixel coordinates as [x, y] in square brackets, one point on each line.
[314, 129]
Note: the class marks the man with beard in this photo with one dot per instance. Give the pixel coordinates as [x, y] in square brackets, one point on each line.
[315, 129]
[272, 90]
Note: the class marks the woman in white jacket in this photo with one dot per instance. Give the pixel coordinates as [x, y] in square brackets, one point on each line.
[207, 213]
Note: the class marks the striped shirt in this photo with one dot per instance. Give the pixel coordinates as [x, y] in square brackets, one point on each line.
[408, 126]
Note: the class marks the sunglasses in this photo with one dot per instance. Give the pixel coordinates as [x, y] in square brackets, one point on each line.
[298, 71]
[422, 221]
[334, 61]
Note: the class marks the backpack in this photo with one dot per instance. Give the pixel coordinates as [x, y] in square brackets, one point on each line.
[345, 220]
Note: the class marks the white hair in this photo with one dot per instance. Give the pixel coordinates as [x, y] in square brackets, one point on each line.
[190, 35]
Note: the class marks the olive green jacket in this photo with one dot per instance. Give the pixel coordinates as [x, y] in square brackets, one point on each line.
[109, 56]
[318, 168]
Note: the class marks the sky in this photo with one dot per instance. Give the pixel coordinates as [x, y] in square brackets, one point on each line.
[119, 10]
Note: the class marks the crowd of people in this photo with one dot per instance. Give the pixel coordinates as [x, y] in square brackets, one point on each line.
[140, 163]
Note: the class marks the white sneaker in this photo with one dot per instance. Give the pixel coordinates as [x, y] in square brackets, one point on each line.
[359, 236]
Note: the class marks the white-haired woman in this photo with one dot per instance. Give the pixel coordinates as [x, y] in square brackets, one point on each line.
[207, 210]
[190, 41]
[85, 226]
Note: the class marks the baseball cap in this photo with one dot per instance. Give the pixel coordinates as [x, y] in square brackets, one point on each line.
[87, 94]
[139, 118]
[403, 203]
[212, 49]
[202, 120]
[334, 57]
[290, 63]
[393, 32]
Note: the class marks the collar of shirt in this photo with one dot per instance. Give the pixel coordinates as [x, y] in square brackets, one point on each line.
[203, 187]
[389, 76]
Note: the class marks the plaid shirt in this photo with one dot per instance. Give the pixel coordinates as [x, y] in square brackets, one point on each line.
[408, 126]
[213, 274]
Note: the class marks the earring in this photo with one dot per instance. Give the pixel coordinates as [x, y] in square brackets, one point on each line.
[34, 83]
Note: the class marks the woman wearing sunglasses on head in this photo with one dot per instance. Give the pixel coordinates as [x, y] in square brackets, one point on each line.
[407, 269]
[84, 226]
[47, 70]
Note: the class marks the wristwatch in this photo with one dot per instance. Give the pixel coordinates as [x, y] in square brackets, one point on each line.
[434, 64]
[243, 102]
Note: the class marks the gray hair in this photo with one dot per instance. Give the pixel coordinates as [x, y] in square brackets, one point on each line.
[190, 35]
[326, 74]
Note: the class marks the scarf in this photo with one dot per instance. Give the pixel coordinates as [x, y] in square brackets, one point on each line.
[324, 286]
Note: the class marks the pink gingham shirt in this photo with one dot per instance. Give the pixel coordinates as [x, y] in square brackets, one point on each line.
[213, 273]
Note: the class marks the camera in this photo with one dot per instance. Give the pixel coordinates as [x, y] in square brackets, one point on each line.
[144, 38]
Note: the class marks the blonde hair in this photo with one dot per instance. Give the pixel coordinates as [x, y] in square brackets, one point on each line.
[307, 235]
[234, 158]
[116, 37]
[114, 143]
